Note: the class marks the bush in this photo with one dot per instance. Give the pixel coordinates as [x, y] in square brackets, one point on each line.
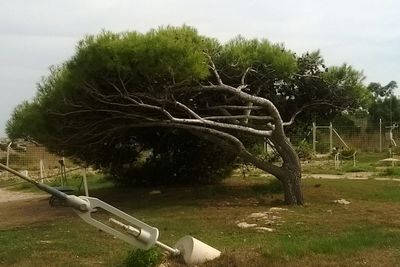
[179, 159]
[143, 258]
[305, 150]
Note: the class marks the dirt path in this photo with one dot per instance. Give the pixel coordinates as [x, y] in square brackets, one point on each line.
[23, 208]
[350, 176]
[9, 196]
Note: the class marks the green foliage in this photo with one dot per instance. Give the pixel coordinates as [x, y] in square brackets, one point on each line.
[393, 171]
[143, 258]
[380, 91]
[179, 158]
[305, 150]
[387, 109]
[87, 108]
[347, 82]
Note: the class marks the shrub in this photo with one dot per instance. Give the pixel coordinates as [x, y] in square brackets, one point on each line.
[143, 258]
[179, 159]
[305, 150]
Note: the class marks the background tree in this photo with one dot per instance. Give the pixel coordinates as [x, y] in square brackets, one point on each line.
[385, 106]
[120, 94]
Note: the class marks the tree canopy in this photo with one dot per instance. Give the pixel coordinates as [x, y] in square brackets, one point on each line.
[122, 92]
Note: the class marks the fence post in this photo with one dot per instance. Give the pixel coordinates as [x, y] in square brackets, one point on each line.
[314, 136]
[330, 137]
[380, 134]
[41, 170]
[8, 158]
[85, 186]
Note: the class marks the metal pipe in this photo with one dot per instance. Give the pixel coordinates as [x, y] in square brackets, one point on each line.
[136, 233]
[8, 157]
[330, 137]
[85, 186]
[71, 201]
[380, 135]
[314, 136]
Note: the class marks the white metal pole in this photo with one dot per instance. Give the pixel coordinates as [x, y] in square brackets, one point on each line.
[8, 158]
[41, 170]
[314, 136]
[380, 135]
[330, 137]
[85, 183]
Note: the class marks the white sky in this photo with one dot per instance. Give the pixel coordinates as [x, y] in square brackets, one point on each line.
[40, 33]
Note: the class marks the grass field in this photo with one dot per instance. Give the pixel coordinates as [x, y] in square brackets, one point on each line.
[321, 233]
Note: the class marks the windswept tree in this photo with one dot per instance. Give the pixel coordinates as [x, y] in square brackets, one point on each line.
[123, 91]
[386, 104]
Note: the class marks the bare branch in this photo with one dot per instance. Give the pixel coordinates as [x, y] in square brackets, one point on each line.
[291, 121]
[214, 69]
[268, 118]
[244, 75]
[268, 105]
[235, 107]
[188, 110]
[227, 126]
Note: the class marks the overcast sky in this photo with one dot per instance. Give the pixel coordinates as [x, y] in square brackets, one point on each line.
[40, 33]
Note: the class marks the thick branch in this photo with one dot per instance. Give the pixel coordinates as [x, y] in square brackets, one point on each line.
[268, 118]
[235, 107]
[300, 110]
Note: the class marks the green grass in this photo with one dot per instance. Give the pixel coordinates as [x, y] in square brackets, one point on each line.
[390, 172]
[303, 236]
[344, 243]
[365, 162]
[64, 238]
[74, 181]
[368, 190]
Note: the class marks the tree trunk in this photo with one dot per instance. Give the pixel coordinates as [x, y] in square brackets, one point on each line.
[291, 175]
[291, 182]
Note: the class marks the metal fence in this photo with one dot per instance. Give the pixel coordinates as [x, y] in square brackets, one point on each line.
[34, 161]
[326, 137]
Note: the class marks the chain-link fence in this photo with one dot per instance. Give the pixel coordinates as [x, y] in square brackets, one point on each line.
[36, 162]
[33, 161]
[372, 138]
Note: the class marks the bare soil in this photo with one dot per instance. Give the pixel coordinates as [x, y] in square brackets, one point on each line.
[10, 196]
[24, 208]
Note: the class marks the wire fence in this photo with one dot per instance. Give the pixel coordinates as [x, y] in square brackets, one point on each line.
[327, 137]
[35, 162]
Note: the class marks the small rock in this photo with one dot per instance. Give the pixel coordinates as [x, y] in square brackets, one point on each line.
[342, 201]
[155, 192]
[273, 209]
[245, 225]
[45, 242]
[264, 229]
[259, 215]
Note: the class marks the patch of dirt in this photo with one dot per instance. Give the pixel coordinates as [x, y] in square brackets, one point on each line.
[20, 209]
[10, 196]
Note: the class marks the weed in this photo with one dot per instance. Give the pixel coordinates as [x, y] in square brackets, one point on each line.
[143, 258]
[392, 171]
